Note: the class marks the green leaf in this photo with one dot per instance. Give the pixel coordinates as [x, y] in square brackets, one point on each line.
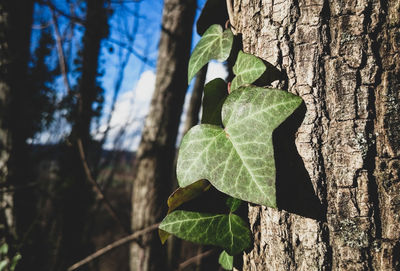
[3, 264]
[227, 231]
[214, 44]
[4, 249]
[226, 260]
[215, 93]
[163, 236]
[185, 194]
[233, 204]
[213, 12]
[248, 68]
[180, 196]
[238, 160]
[15, 261]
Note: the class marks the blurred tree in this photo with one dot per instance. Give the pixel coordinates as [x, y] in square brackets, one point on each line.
[155, 157]
[15, 22]
[38, 114]
[75, 197]
[192, 114]
[7, 225]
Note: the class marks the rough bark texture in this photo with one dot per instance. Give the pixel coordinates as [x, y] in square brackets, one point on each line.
[342, 58]
[156, 152]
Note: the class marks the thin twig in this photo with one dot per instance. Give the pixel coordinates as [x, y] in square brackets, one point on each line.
[41, 25]
[96, 187]
[60, 51]
[231, 17]
[62, 13]
[130, 49]
[195, 259]
[132, 38]
[113, 245]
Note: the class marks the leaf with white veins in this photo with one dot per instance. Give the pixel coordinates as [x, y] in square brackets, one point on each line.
[228, 231]
[248, 68]
[238, 160]
[182, 195]
[214, 44]
[226, 260]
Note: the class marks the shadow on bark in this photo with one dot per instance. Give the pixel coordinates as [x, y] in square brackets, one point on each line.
[295, 192]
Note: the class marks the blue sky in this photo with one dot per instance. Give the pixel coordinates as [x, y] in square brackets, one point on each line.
[144, 19]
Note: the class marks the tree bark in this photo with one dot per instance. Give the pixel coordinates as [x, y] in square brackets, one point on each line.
[338, 175]
[7, 230]
[15, 25]
[75, 200]
[192, 115]
[156, 152]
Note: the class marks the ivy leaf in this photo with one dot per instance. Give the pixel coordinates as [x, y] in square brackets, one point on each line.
[228, 231]
[233, 204]
[185, 194]
[215, 93]
[238, 160]
[180, 196]
[214, 44]
[248, 68]
[225, 260]
[163, 236]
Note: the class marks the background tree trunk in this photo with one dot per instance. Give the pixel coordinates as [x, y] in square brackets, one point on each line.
[17, 215]
[192, 114]
[342, 58]
[7, 230]
[75, 201]
[155, 157]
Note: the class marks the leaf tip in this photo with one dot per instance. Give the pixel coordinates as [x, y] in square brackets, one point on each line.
[163, 235]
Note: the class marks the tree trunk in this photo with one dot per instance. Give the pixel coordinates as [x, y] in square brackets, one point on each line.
[7, 230]
[338, 175]
[89, 91]
[75, 200]
[17, 215]
[156, 152]
[192, 115]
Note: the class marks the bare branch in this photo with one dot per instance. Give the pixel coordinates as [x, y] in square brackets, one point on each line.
[53, 8]
[195, 259]
[113, 245]
[132, 50]
[42, 25]
[60, 52]
[124, 63]
[96, 188]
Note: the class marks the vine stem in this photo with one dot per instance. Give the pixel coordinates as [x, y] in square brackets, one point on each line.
[231, 17]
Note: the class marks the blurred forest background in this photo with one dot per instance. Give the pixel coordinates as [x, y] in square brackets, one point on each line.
[93, 101]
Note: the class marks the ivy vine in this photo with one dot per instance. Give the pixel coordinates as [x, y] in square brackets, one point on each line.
[230, 151]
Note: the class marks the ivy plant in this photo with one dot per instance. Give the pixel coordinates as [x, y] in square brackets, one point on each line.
[216, 43]
[230, 151]
[248, 68]
[238, 159]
